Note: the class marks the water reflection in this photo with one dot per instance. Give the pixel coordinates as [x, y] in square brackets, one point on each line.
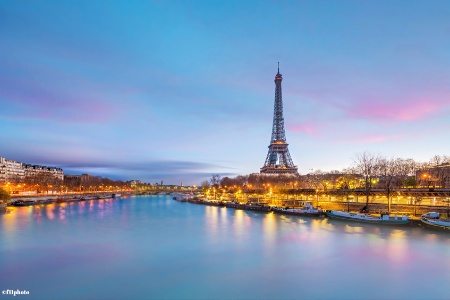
[50, 211]
[155, 243]
[8, 220]
[53, 211]
[269, 226]
[238, 225]
[354, 229]
[223, 218]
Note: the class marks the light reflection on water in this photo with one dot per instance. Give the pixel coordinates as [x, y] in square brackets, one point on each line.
[154, 247]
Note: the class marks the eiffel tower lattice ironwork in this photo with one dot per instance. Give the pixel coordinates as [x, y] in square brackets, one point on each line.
[278, 159]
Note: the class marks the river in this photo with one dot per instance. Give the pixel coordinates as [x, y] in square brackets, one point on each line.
[154, 247]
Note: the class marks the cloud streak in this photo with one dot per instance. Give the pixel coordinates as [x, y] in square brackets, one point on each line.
[154, 171]
[309, 128]
[31, 99]
[406, 109]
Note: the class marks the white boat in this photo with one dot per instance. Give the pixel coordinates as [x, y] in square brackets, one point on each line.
[116, 195]
[432, 221]
[367, 218]
[306, 210]
[182, 197]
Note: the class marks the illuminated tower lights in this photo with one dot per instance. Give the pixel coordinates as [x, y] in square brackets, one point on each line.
[278, 160]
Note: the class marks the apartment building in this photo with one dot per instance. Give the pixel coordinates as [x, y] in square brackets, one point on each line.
[437, 176]
[11, 170]
[35, 170]
[14, 171]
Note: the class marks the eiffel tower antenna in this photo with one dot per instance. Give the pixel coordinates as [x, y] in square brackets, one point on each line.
[278, 160]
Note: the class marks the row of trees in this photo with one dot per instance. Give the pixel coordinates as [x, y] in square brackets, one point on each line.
[392, 173]
[4, 196]
[45, 182]
[368, 171]
[93, 183]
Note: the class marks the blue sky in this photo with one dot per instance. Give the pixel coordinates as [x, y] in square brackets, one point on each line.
[178, 90]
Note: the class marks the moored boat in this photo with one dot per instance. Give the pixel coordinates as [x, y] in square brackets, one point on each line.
[367, 218]
[45, 201]
[23, 202]
[257, 207]
[75, 198]
[212, 202]
[182, 197]
[433, 221]
[306, 210]
[436, 224]
[236, 205]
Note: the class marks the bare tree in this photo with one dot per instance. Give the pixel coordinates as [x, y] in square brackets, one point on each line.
[366, 164]
[440, 165]
[215, 180]
[406, 169]
[388, 169]
[241, 180]
[348, 179]
[205, 186]
[234, 183]
[314, 180]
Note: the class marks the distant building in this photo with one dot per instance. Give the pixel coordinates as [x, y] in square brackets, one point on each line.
[135, 182]
[36, 170]
[436, 177]
[76, 180]
[11, 170]
[14, 171]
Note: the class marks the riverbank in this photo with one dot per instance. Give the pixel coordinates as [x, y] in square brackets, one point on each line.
[413, 221]
[43, 199]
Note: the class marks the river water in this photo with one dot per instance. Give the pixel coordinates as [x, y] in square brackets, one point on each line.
[157, 248]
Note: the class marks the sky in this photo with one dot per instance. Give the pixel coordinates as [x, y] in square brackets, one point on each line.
[175, 91]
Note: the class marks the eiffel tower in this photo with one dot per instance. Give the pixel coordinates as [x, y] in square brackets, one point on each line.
[278, 159]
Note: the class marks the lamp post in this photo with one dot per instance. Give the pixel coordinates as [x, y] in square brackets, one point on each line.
[424, 176]
[348, 200]
[317, 199]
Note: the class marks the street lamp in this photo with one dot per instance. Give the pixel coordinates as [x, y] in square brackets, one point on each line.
[424, 176]
[317, 199]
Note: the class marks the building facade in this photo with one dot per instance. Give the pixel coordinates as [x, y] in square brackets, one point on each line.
[435, 177]
[37, 170]
[11, 171]
[17, 172]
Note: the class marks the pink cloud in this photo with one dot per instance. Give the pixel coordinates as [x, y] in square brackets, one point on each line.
[308, 128]
[389, 106]
[400, 110]
[373, 139]
[26, 99]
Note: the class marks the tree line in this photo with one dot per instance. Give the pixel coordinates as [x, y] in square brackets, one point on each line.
[45, 182]
[368, 171]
